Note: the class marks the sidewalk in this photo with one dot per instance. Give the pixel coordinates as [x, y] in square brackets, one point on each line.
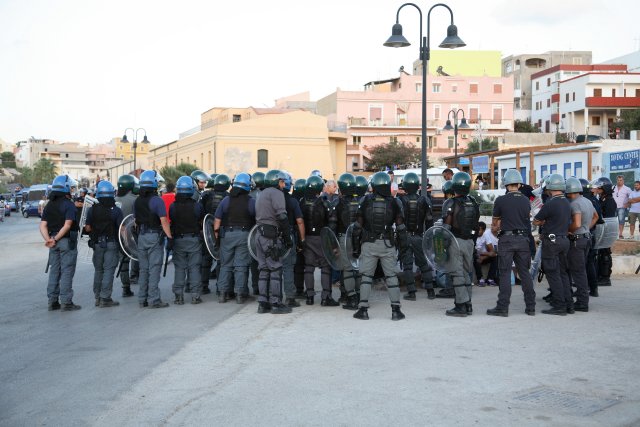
[319, 366]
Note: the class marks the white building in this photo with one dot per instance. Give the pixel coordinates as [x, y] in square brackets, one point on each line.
[583, 99]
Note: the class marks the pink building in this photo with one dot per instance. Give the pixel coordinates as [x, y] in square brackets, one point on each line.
[390, 110]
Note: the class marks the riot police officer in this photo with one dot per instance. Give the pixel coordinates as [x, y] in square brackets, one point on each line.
[374, 240]
[417, 218]
[603, 188]
[211, 201]
[296, 224]
[235, 217]
[442, 278]
[126, 197]
[346, 213]
[103, 221]
[318, 213]
[511, 217]
[57, 227]
[555, 216]
[583, 219]
[151, 220]
[272, 240]
[461, 214]
[258, 184]
[298, 268]
[200, 180]
[186, 224]
[592, 259]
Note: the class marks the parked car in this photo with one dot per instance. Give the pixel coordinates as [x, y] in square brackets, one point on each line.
[588, 138]
[30, 208]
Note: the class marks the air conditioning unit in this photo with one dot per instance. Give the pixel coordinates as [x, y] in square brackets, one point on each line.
[465, 136]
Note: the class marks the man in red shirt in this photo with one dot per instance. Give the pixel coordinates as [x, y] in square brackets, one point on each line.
[170, 196]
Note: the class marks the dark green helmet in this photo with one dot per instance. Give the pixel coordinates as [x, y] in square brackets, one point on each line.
[447, 188]
[573, 185]
[381, 183]
[258, 179]
[361, 185]
[586, 186]
[461, 183]
[273, 177]
[126, 183]
[511, 176]
[411, 183]
[199, 176]
[314, 186]
[221, 182]
[347, 184]
[136, 187]
[298, 187]
[555, 182]
[212, 179]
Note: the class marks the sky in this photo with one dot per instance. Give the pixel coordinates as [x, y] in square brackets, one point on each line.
[85, 70]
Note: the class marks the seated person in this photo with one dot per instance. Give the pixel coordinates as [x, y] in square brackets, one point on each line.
[486, 253]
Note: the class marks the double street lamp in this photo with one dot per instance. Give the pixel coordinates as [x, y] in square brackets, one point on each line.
[135, 141]
[463, 125]
[452, 41]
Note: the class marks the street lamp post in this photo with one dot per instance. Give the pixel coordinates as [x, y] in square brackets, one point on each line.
[135, 141]
[455, 127]
[452, 41]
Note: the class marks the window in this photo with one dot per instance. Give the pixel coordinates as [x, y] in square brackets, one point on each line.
[597, 92]
[450, 141]
[548, 81]
[419, 87]
[436, 87]
[496, 118]
[548, 102]
[474, 112]
[577, 61]
[577, 169]
[263, 158]
[497, 88]
[454, 88]
[393, 139]
[566, 98]
[573, 97]
[436, 111]
[473, 87]
[523, 173]
[613, 92]
[375, 114]
[401, 116]
[595, 120]
[553, 169]
[547, 126]
[637, 93]
[66, 155]
[209, 160]
[356, 140]
[417, 139]
[543, 171]
[433, 141]
[567, 170]
[236, 118]
[537, 85]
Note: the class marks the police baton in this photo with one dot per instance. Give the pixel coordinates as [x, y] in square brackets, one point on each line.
[166, 263]
[638, 269]
[46, 270]
[120, 265]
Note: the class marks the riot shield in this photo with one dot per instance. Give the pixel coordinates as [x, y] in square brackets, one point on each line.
[331, 249]
[535, 265]
[127, 236]
[348, 245]
[209, 236]
[606, 234]
[252, 244]
[440, 248]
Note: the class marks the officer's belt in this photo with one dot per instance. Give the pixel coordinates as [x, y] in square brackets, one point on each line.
[144, 229]
[513, 233]
[180, 236]
[231, 228]
[553, 236]
[580, 236]
[106, 239]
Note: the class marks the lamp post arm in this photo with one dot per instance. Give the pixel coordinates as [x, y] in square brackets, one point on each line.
[419, 11]
[140, 129]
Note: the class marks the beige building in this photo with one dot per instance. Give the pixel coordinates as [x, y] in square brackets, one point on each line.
[232, 140]
[124, 150]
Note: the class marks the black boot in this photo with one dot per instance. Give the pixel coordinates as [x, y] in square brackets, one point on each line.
[458, 311]
[299, 295]
[264, 307]
[431, 294]
[410, 296]
[127, 292]
[362, 313]
[196, 300]
[396, 314]
[530, 311]
[54, 305]
[179, 300]
[205, 289]
[70, 306]
[291, 302]
[108, 302]
[280, 308]
[309, 300]
[594, 292]
[352, 303]
[329, 302]
[556, 311]
[446, 293]
[159, 304]
[97, 303]
[498, 312]
[469, 308]
[223, 297]
[241, 299]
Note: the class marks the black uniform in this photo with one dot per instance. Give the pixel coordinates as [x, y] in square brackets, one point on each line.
[346, 211]
[605, 261]
[210, 201]
[417, 218]
[592, 257]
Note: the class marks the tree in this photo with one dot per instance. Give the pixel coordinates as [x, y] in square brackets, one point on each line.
[525, 126]
[487, 144]
[629, 120]
[393, 155]
[8, 159]
[43, 171]
[172, 173]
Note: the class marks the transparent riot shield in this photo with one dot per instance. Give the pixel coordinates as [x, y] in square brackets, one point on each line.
[209, 236]
[331, 249]
[128, 237]
[606, 234]
[348, 244]
[440, 248]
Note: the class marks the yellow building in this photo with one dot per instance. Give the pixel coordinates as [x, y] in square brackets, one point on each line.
[232, 140]
[463, 62]
[124, 150]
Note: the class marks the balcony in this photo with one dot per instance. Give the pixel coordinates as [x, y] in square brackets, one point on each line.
[555, 97]
[612, 101]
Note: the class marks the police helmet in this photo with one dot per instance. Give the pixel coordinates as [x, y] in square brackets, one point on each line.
[586, 186]
[555, 182]
[62, 184]
[461, 183]
[511, 176]
[258, 178]
[126, 183]
[211, 180]
[381, 183]
[222, 182]
[316, 172]
[105, 189]
[411, 183]
[347, 183]
[298, 187]
[447, 188]
[136, 186]
[242, 181]
[185, 185]
[314, 185]
[573, 185]
[199, 176]
[149, 179]
[273, 178]
[604, 183]
[287, 182]
[84, 191]
[361, 185]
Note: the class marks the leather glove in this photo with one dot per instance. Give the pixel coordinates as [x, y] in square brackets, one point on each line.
[169, 244]
[286, 238]
[302, 244]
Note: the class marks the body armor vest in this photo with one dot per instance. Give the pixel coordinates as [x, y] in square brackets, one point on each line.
[238, 212]
[314, 212]
[55, 216]
[102, 222]
[214, 200]
[347, 209]
[184, 220]
[466, 215]
[291, 214]
[379, 214]
[143, 213]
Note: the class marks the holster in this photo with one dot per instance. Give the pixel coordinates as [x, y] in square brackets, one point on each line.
[268, 231]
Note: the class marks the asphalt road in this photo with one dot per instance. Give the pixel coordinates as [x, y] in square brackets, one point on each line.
[214, 365]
